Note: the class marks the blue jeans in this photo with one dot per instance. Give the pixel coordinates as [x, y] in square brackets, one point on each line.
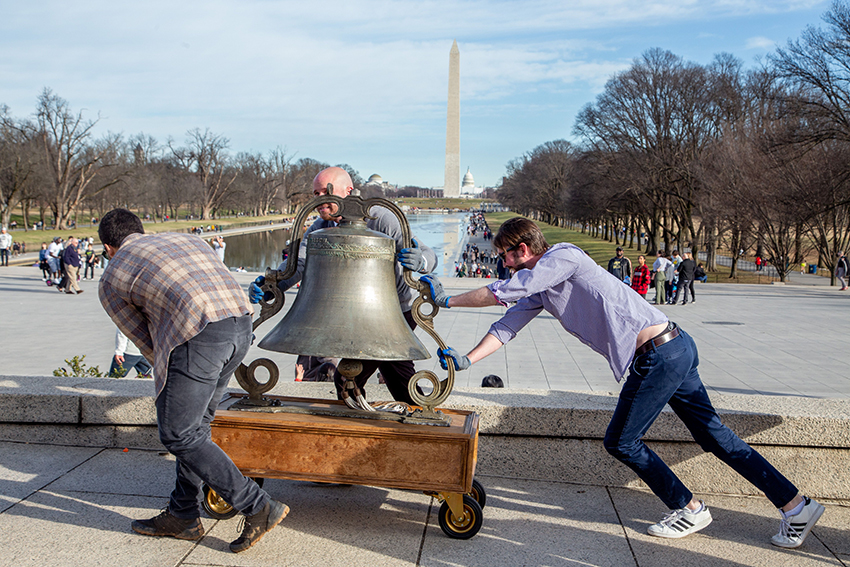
[198, 373]
[668, 375]
[131, 361]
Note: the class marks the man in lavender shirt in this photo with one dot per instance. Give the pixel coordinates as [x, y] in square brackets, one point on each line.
[660, 359]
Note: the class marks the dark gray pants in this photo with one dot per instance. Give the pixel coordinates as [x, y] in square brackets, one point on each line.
[396, 373]
[198, 373]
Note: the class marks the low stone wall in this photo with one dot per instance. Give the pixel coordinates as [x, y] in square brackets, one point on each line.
[539, 434]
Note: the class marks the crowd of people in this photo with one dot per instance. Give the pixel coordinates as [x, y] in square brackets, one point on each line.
[476, 263]
[669, 275]
[200, 229]
[61, 261]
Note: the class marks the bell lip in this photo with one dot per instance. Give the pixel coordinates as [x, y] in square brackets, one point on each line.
[423, 353]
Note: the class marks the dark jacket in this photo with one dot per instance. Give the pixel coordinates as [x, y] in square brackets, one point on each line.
[620, 268]
[70, 256]
[686, 269]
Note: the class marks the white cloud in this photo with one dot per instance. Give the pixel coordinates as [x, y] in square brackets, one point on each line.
[760, 43]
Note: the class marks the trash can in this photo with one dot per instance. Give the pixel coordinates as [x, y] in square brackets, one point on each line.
[813, 269]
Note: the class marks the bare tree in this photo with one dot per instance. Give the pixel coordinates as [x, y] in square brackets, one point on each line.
[262, 179]
[18, 166]
[75, 164]
[817, 70]
[205, 155]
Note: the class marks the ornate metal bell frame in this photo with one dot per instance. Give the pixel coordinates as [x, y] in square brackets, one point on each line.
[405, 346]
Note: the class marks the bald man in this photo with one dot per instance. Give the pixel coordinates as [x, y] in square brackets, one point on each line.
[420, 259]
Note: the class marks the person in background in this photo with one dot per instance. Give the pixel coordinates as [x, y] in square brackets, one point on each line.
[219, 245]
[43, 264]
[841, 270]
[642, 277]
[637, 339]
[128, 356]
[686, 270]
[5, 246]
[90, 261]
[659, 268]
[54, 253]
[670, 285]
[619, 266]
[71, 259]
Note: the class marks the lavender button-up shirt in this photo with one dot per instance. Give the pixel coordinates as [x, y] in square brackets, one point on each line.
[590, 303]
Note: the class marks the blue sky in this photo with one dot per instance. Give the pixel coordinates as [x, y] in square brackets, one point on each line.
[363, 83]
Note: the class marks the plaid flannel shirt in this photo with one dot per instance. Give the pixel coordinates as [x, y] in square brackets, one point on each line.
[163, 289]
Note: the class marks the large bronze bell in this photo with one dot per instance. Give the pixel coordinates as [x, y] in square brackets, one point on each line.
[348, 305]
[348, 308]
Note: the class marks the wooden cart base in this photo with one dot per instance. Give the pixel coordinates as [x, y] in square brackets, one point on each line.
[323, 448]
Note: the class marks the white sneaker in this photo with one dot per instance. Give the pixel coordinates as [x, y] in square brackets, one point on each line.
[794, 529]
[680, 523]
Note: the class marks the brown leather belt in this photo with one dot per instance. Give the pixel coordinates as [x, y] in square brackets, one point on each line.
[666, 336]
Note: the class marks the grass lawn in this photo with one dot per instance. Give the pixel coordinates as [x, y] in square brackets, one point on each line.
[601, 250]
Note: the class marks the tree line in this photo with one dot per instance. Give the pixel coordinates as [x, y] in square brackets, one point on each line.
[704, 156]
[52, 165]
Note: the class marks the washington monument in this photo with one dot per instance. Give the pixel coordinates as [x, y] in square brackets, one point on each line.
[451, 187]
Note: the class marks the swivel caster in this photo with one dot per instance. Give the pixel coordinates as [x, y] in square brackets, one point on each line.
[462, 526]
[215, 506]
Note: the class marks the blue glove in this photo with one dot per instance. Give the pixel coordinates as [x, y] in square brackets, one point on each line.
[437, 293]
[460, 361]
[255, 293]
[412, 258]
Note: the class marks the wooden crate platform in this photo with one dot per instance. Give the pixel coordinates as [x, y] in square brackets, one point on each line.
[349, 450]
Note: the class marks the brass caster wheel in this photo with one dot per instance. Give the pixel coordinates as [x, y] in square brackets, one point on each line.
[465, 526]
[216, 507]
[478, 493]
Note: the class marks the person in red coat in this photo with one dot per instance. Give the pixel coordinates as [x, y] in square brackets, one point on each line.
[641, 277]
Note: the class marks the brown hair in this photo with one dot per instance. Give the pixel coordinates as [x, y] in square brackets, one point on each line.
[521, 230]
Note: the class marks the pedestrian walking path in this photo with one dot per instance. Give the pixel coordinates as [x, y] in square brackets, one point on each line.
[753, 339]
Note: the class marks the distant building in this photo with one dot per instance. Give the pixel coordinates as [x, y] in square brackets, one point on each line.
[468, 189]
[432, 193]
[468, 185]
[377, 182]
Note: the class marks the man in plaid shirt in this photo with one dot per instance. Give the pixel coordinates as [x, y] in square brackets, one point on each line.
[172, 296]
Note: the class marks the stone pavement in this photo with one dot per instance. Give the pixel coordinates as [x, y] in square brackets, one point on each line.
[72, 506]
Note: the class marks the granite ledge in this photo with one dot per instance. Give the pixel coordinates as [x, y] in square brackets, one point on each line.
[791, 421]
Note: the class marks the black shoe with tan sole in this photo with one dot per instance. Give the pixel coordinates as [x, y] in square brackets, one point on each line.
[259, 524]
[167, 525]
